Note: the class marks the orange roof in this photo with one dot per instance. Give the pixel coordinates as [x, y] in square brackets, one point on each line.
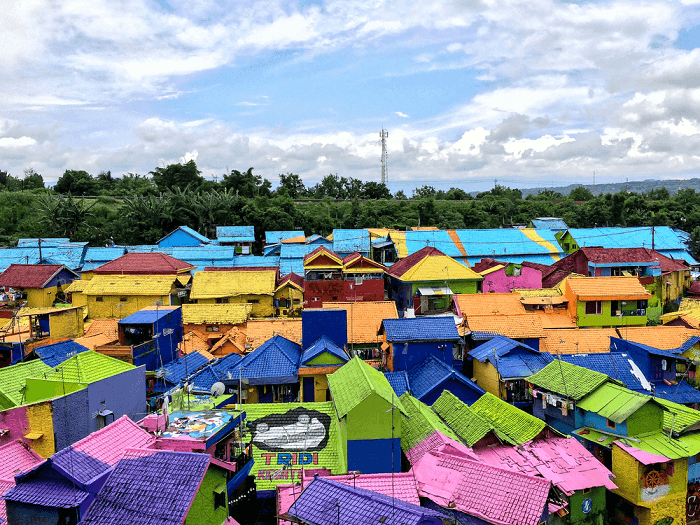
[316, 370]
[104, 326]
[555, 319]
[489, 304]
[365, 318]
[261, 330]
[295, 240]
[590, 341]
[690, 321]
[524, 326]
[663, 337]
[193, 342]
[592, 288]
[234, 337]
[93, 341]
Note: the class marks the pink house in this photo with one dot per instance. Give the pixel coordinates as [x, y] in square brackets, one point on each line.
[503, 277]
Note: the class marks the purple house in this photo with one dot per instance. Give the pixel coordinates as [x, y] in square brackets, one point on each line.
[327, 502]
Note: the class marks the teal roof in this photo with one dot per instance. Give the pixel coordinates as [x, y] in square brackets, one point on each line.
[568, 380]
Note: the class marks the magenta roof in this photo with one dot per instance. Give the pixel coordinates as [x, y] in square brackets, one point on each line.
[440, 442]
[5, 485]
[16, 458]
[563, 461]
[109, 443]
[645, 458]
[493, 494]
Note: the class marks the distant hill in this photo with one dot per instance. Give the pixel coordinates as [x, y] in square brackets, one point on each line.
[638, 186]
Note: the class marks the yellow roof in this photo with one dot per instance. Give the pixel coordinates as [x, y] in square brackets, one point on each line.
[376, 233]
[439, 268]
[489, 304]
[130, 285]
[555, 318]
[524, 326]
[592, 288]
[193, 342]
[215, 313]
[492, 269]
[399, 240]
[365, 318]
[688, 303]
[77, 286]
[208, 285]
[260, 330]
[590, 340]
[27, 311]
[184, 279]
[663, 337]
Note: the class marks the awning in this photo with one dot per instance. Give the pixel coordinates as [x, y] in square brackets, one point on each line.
[435, 290]
[34, 435]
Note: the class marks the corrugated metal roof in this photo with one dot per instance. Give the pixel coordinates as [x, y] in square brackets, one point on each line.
[551, 223]
[274, 237]
[235, 233]
[189, 231]
[349, 241]
[613, 402]
[665, 237]
[420, 329]
[149, 315]
[230, 284]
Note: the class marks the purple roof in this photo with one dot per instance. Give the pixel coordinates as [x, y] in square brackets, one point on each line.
[77, 465]
[47, 492]
[323, 499]
[152, 490]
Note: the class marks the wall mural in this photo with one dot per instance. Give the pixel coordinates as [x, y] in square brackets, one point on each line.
[692, 505]
[299, 429]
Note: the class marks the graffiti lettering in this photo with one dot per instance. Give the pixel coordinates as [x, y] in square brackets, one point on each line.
[692, 505]
[303, 458]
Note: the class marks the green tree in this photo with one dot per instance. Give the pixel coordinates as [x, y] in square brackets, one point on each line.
[178, 176]
[32, 180]
[581, 194]
[424, 192]
[375, 190]
[76, 182]
[293, 184]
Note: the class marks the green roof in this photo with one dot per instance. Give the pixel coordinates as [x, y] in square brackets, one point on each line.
[507, 420]
[465, 422]
[13, 380]
[614, 402]
[328, 452]
[87, 367]
[420, 422]
[568, 380]
[353, 382]
[679, 416]
[654, 442]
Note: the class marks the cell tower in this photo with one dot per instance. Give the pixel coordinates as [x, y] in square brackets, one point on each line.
[384, 134]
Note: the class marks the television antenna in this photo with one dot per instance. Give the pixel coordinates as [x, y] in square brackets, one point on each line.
[383, 135]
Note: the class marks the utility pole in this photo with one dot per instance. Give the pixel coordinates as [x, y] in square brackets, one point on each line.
[383, 135]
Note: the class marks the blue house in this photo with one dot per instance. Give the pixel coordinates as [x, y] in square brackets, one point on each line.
[427, 381]
[270, 373]
[55, 354]
[317, 361]
[346, 242]
[408, 341]
[176, 372]
[184, 236]
[292, 257]
[154, 334]
[331, 323]
[11, 353]
[240, 237]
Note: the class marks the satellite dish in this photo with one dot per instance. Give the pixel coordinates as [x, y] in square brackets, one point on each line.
[218, 389]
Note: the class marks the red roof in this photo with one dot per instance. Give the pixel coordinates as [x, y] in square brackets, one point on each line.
[485, 264]
[694, 288]
[296, 279]
[30, 275]
[321, 249]
[144, 264]
[401, 267]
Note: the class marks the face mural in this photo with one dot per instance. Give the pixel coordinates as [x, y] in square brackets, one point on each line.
[300, 429]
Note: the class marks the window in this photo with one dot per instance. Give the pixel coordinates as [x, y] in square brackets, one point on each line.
[594, 307]
[122, 299]
[212, 328]
[254, 301]
[587, 491]
[219, 498]
[643, 304]
[614, 307]
[222, 300]
[335, 298]
[358, 280]
[297, 301]
[610, 424]
[99, 299]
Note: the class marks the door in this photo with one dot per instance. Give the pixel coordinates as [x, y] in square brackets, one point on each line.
[309, 395]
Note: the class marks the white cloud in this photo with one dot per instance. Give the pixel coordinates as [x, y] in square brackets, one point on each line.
[402, 115]
[21, 142]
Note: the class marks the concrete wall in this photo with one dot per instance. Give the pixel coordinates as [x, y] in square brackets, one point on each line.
[417, 352]
[71, 418]
[487, 378]
[123, 394]
[113, 306]
[261, 308]
[41, 297]
[500, 282]
[67, 324]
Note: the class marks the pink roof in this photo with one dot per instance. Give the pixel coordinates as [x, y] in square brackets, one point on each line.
[563, 461]
[493, 494]
[439, 441]
[403, 487]
[16, 458]
[135, 453]
[5, 485]
[645, 458]
[144, 263]
[109, 443]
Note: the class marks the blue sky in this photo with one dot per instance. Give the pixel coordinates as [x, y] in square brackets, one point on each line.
[532, 94]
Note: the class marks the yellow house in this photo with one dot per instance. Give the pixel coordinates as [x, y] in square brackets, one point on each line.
[122, 295]
[212, 321]
[43, 284]
[254, 287]
[76, 292]
[289, 296]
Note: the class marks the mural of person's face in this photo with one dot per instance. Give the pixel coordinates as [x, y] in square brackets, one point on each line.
[299, 429]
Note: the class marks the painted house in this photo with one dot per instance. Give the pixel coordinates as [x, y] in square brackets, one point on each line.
[328, 277]
[503, 277]
[364, 320]
[425, 282]
[289, 295]
[501, 365]
[42, 285]
[13, 380]
[17, 458]
[216, 372]
[174, 373]
[145, 264]
[317, 361]
[253, 287]
[369, 415]
[240, 237]
[122, 295]
[183, 236]
[604, 302]
[346, 242]
[212, 321]
[408, 341]
[260, 330]
[329, 322]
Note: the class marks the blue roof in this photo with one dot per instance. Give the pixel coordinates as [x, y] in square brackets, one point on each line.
[255, 260]
[674, 353]
[552, 223]
[431, 373]
[95, 257]
[323, 345]
[279, 236]
[45, 242]
[215, 372]
[274, 362]
[77, 465]
[55, 354]
[292, 266]
[398, 381]
[318, 240]
[180, 369]
[666, 239]
[681, 393]
[501, 346]
[420, 329]
[296, 251]
[235, 233]
[189, 231]
[350, 241]
[148, 316]
[56, 492]
[512, 359]
[615, 365]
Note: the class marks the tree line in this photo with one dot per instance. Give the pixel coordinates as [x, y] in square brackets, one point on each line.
[151, 206]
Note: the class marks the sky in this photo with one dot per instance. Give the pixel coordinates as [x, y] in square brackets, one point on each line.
[529, 93]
